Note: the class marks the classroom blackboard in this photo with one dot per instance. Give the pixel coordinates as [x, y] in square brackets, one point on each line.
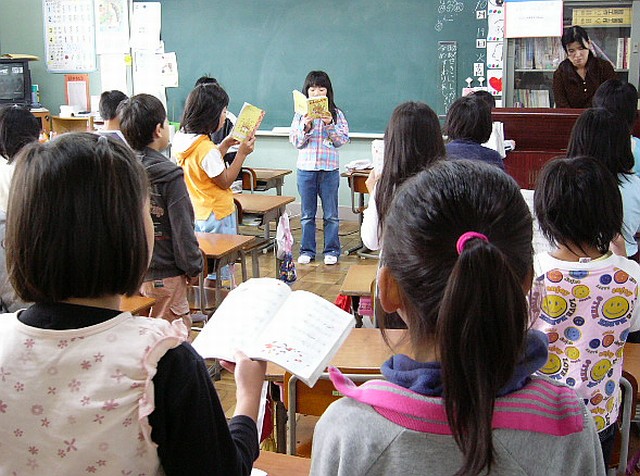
[378, 53]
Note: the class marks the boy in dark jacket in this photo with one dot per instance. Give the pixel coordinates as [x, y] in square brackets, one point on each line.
[176, 256]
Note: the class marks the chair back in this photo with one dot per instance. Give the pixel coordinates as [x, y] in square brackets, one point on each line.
[249, 179]
[60, 125]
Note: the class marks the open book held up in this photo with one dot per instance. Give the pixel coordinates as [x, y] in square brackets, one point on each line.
[315, 107]
[296, 330]
[248, 121]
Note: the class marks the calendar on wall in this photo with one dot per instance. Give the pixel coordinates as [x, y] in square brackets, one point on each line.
[69, 33]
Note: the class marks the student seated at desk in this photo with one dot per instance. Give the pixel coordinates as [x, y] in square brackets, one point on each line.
[97, 389]
[468, 126]
[176, 255]
[109, 102]
[456, 266]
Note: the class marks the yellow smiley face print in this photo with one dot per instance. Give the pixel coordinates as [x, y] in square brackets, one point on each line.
[615, 307]
[581, 291]
[554, 306]
[552, 366]
[600, 369]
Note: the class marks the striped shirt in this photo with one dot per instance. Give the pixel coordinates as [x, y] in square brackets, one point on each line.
[318, 148]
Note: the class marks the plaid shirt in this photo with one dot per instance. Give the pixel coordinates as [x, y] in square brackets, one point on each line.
[319, 147]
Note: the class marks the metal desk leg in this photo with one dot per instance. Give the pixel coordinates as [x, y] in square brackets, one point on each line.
[360, 219]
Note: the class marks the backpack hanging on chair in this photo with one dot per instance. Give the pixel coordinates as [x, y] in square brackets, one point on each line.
[284, 242]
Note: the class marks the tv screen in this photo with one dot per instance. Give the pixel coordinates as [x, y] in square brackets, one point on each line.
[15, 82]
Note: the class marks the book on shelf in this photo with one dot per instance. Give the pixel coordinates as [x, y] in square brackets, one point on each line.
[296, 330]
[248, 121]
[315, 107]
[532, 97]
[623, 53]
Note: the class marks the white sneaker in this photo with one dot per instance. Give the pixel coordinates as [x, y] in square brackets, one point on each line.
[330, 259]
[304, 259]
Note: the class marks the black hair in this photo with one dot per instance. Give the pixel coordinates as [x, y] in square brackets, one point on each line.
[18, 127]
[412, 141]
[75, 221]
[205, 80]
[569, 212]
[574, 34]
[619, 98]
[471, 305]
[469, 118]
[600, 134]
[203, 109]
[139, 117]
[109, 101]
[321, 79]
[486, 96]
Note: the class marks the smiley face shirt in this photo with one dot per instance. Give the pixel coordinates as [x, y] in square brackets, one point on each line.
[587, 311]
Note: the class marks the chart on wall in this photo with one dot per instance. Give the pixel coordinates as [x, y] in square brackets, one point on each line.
[69, 32]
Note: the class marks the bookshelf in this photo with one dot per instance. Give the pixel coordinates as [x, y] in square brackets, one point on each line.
[531, 62]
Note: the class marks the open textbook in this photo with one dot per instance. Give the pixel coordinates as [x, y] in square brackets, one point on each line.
[315, 107]
[296, 330]
[248, 121]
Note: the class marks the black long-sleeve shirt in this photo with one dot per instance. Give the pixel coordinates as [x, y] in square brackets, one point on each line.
[188, 423]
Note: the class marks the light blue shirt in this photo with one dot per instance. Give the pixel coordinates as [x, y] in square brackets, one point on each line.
[630, 191]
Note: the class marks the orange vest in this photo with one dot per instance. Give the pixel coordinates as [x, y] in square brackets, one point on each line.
[205, 195]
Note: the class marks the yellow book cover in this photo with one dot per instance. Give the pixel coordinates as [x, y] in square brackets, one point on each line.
[248, 121]
[313, 107]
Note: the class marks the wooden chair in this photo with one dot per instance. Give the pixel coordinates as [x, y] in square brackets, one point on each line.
[60, 125]
[249, 179]
[298, 398]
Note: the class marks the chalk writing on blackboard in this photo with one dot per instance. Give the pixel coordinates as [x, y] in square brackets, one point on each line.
[447, 60]
[448, 10]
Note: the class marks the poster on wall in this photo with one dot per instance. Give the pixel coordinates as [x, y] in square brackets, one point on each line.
[532, 18]
[112, 26]
[69, 36]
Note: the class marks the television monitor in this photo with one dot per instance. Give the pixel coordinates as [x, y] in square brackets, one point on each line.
[15, 82]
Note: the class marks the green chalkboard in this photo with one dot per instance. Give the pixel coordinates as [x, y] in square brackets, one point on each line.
[378, 53]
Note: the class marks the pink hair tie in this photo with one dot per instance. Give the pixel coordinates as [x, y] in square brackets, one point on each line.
[469, 235]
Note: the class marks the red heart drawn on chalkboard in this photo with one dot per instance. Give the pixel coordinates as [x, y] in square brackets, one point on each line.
[496, 83]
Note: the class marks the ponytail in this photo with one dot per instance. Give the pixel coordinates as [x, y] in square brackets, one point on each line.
[480, 330]
[462, 290]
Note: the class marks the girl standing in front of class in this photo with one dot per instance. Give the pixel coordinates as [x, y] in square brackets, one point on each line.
[456, 265]
[85, 388]
[585, 298]
[318, 167]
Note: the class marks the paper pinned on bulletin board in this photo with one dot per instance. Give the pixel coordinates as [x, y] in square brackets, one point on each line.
[532, 18]
[112, 26]
[113, 72]
[145, 25]
[494, 81]
[77, 91]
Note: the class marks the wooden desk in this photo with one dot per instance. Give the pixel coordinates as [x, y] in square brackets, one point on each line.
[60, 125]
[540, 134]
[137, 305]
[358, 280]
[222, 250]
[278, 464]
[271, 178]
[269, 207]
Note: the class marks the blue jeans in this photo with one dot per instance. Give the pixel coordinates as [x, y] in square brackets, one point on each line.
[311, 184]
[227, 226]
